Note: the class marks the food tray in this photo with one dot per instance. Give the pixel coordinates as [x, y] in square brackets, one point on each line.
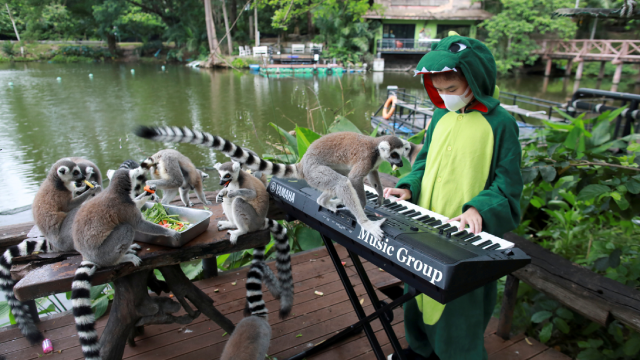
[199, 220]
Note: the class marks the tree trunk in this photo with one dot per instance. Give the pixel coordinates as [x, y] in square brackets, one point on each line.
[310, 28]
[251, 33]
[255, 19]
[211, 33]
[226, 27]
[233, 13]
[111, 43]
[14, 28]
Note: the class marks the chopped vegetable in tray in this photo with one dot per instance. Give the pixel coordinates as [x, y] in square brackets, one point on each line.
[158, 215]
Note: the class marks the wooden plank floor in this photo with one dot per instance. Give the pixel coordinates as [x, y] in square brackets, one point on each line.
[314, 318]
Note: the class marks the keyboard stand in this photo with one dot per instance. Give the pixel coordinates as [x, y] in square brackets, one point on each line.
[364, 321]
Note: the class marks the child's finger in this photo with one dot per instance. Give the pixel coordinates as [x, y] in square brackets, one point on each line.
[463, 223]
[472, 227]
[476, 226]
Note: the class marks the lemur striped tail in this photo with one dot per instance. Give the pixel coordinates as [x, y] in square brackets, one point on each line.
[284, 287]
[235, 152]
[85, 321]
[255, 303]
[19, 310]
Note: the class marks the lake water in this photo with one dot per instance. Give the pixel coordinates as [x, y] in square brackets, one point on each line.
[43, 120]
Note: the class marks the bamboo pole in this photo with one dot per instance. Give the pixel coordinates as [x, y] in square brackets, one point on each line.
[255, 18]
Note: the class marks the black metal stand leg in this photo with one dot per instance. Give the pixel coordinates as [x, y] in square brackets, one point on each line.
[375, 345]
[386, 324]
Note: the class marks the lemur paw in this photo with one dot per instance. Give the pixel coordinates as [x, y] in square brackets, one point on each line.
[135, 247]
[373, 228]
[224, 225]
[190, 204]
[134, 259]
[234, 234]
[220, 196]
[207, 202]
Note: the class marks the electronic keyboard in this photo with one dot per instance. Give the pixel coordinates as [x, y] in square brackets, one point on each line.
[419, 247]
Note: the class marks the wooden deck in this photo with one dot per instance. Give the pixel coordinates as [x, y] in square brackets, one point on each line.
[313, 319]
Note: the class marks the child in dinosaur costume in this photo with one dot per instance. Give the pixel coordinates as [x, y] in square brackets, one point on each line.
[468, 170]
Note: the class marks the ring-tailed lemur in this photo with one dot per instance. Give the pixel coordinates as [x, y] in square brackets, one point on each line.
[91, 173]
[54, 209]
[138, 194]
[245, 202]
[336, 164]
[250, 340]
[103, 233]
[173, 172]
[628, 8]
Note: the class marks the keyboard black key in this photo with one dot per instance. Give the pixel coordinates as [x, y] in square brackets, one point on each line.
[394, 207]
[462, 234]
[495, 246]
[473, 239]
[468, 236]
[402, 208]
[386, 202]
[483, 243]
[435, 223]
[451, 230]
[410, 213]
[423, 217]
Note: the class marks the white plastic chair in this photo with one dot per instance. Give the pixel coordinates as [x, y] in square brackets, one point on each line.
[247, 50]
[241, 51]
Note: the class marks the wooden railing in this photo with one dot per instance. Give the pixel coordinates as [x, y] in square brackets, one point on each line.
[616, 51]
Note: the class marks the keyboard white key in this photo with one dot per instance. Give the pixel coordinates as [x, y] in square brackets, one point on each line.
[504, 244]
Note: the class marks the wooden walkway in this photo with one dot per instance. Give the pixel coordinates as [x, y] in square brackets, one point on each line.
[313, 319]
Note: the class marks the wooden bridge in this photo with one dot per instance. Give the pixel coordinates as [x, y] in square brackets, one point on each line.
[617, 52]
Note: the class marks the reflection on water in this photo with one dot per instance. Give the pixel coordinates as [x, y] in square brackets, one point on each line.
[42, 120]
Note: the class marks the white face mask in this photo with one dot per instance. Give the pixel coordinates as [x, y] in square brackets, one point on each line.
[457, 102]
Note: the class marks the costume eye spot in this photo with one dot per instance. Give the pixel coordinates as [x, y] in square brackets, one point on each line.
[457, 47]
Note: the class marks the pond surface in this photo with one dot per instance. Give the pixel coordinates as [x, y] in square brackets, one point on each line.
[43, 119]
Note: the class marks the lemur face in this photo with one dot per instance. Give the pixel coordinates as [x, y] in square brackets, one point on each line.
[228, 172]
[89, 175]
[138, 179]
[392, 155]
[69, 172]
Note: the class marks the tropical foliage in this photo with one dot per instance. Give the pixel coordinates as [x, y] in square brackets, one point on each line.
[513, 30]
[581, 200]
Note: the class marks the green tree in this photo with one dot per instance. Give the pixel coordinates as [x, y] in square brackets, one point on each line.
[512, 33]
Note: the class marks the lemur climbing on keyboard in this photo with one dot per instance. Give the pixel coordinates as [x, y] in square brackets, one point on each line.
[335, 164]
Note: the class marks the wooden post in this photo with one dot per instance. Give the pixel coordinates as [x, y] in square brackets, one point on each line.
[567, 70]
[209, 267]
[226, 26]
[547, 70]
[579, 71]
[508, 306]
[618, 74]
[601, 73]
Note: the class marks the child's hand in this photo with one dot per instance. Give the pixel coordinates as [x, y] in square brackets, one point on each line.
[402, 194]
[471, 217]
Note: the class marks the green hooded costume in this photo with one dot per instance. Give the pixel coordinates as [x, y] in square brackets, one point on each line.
[469, 159]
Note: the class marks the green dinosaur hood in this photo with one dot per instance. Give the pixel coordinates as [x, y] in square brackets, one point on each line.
[469, 55]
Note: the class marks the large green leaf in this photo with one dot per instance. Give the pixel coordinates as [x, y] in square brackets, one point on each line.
[100, 306]
[290, 139]
[4, 309]
[633, 186]
[541, 316]
[341, 123]
[305, 137]
[191, 269]
[632, 346]
[600, 133]
[558, 126]
[374, 133]
[96, 291]
[417, 138]
[592, 191]
[529, 174]
[564, 313]
[590, 354]
[308, 238]
[545, 333]
[561, 325]
[548, 173]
